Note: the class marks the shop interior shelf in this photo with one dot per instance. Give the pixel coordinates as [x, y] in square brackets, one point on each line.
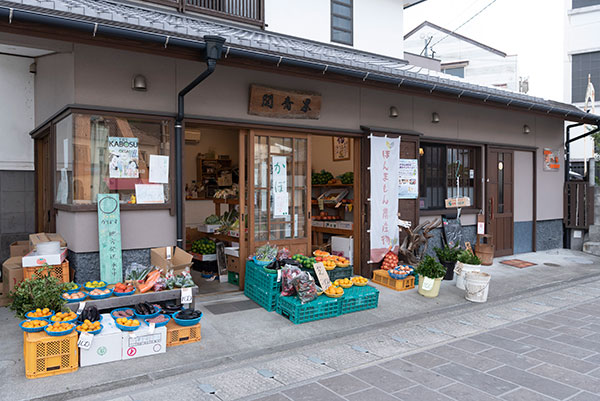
[331, 185]
[220, 237]
[227, 201]
[336, 231]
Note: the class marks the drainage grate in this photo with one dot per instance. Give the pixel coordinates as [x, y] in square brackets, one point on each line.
[551, 264]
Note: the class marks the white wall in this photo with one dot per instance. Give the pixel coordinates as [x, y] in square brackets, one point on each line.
[54, 84]
[378, 24]
[523, 186]
[16, 113]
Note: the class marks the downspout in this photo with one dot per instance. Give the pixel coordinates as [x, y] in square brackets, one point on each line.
[568, 150]
[214, 49]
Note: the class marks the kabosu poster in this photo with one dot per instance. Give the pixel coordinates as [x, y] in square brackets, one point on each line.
[385, 155]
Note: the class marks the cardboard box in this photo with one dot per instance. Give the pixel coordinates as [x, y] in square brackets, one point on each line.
[345, 225]
[106, 346]
[179, 261]
[19, 248]
[342, 246]
[35, 239]
[143, 343]
[12, 274]
[225, 180]
[233, 264]
[32, 259]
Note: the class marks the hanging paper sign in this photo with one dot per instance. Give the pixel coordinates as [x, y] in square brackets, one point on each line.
[109, 238]
[385, 154]
[280, 190]
[123, 157]
[551, 159]
[408, 179]
[159, 169]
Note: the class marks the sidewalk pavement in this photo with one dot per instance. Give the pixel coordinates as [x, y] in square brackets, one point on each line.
[238, 344]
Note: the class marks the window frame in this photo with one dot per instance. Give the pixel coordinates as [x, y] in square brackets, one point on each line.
[595, 79]
[577, 7]
[333, 15]
[477, 166]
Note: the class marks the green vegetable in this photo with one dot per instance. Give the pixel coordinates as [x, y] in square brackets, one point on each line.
[347, 178]
[321, 178]
[266, 253]
[468, 258]
[212, 219]
[447, 254]
[33, 293]
[429, 267]
[204, 246]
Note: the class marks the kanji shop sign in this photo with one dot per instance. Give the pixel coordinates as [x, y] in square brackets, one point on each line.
[283, 103]
[109, 238]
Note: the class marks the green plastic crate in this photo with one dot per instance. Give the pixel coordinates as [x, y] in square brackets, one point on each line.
[359, 298]
[257, 276]
[321, 308]
[263, 298]
[233, 278]
[337, 273]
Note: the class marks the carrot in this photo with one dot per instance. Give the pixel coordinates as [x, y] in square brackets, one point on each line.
[150, 281]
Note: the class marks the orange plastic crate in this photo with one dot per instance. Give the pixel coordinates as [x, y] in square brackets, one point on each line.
[382, 277]
[59, 271]
[179, 335]
[45, 355]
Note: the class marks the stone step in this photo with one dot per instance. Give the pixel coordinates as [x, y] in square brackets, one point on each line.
[592, 247]
[594, 233]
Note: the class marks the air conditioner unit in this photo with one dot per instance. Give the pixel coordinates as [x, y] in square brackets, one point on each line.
[192, 136]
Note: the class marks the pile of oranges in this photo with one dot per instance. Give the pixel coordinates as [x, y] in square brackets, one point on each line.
[40, 313]
[89, 326]
[64, 317]
[59, 327]
[334, 291]
[34, 324]
[329, 264]
[359, 281]
[343, 282]
[128, 322]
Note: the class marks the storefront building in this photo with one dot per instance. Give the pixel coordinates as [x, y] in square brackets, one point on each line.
[492, 140]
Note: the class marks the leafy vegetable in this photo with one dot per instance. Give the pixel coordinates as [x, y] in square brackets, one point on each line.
[447, 254]
[468, 258]
[429, 267]
[33, 293]
[212, 219]
[266, 253]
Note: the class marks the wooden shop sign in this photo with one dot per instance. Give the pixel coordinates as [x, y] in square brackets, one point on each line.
[283, 103]
[458, 202]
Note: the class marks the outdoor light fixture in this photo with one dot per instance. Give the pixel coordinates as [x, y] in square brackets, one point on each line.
[421, 152]
[526, 129]
[435, 117]
[393, 112]
[139, 83]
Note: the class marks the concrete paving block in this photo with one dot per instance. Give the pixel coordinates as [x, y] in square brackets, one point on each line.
[507, 313]
[509, 345]
[274, 397]
[579, 342]
[420, 336]
[311, 392]
[526, 328]
[533, 382]
[555, 346]
[470, 345]
[585, 396]
[565, 321]
[595, 359]
[372, 394]
[239, 383]
[462, 392]
[572, 331]
[534, 306]
[523, 394]
[508, 333]
[422, 376]
[568, 377]
[343, 356]
[382, 379]
[425, 359]
[344, 384]
[482, 381]
[465, 358]
[294, 369]
[593, 327]
[420, 393]
[455, 327]
[561, 360]
[384, 346]
[510, 358]
[186, 392]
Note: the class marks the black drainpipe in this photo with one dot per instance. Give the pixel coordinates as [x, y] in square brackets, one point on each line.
[214, 49]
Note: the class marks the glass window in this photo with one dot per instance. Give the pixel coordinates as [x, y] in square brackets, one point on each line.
[457, 71]
[585, 3]
[583, 65]
[97, 154]
[341, 21]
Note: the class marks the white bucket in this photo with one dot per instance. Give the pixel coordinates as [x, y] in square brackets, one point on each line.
[461, 269]
[478, 285]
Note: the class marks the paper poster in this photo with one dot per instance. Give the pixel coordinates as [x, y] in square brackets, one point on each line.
[159, 169]
[551, 159]
[123, 157]
[149, 194]
[280, 192]
[109, 238]
[408, 179]
[384, 235]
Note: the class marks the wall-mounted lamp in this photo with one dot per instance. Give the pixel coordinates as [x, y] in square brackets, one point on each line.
[138, 83]
[421, 151]
[526, 129]
[435, 117]
[393, 112]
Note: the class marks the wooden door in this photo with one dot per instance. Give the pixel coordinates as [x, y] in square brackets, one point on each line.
[44, 185]
[266, 222]
[243, 207]
[499, 194]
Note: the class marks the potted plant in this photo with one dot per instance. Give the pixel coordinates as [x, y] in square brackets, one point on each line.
[42, 292]
[430, 273]
[448, 257]
[467, 262]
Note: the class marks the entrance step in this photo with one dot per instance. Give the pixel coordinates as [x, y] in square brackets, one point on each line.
[592, 247]
[594, 232]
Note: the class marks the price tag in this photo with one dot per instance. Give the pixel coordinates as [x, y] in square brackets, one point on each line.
[322, 275]
[81, 306]
[152, 328]
[168, 251]
[85, 340]
[186, 296]
[428, 283]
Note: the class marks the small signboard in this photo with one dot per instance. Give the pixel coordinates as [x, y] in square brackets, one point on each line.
[322, 275]
[283, 103]
[408, 179]
[551, 159]
[458, 202]
[109, 238]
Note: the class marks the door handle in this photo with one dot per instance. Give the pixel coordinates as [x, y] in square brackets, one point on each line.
[491, 210]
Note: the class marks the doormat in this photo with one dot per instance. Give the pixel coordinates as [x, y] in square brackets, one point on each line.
[518, 263]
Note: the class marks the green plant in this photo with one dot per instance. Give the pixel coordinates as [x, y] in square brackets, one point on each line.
[447, 254]
[468, 257]
[33, 293]
[429, 267]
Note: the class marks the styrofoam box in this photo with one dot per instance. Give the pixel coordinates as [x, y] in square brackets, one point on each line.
[33, 259]
[106, 346]
[208, 228]
[345, 225]
[232, 251]
[342, 246]
[316, 223]
[143, 343]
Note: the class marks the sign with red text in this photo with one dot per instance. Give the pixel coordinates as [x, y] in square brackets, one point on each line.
[384, 234]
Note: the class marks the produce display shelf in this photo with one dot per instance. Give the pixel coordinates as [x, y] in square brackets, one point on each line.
[336, 231]
[383, 278]
[359, 298]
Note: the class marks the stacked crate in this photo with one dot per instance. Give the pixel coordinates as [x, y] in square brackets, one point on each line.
[262, 287]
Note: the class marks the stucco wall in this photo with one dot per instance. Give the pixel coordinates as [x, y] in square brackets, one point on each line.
[523, 186]
[54, 84]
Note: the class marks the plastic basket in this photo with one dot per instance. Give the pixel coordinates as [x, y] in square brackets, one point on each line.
[33, 329]
[160, 324]
[267, 300]
[186, 322]
[59, 333]
[94, 288]
[383, 278]
[261, 263]
[127, 328]
[48, 356]
[257, 276]
[75, 299]
[150, 316]
[94, 332]
[103, 296]
[61, 272]
[359, 298]
[39, 318]
[123, 294]
[178, 335]
[119, 309]
[320, 308]
[233, 278]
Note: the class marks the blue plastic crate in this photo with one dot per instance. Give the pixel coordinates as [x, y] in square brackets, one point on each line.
[257, 276]
[261, 297]
[359, 298]
[321, 308]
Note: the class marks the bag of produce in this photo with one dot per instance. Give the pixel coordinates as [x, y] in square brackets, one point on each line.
[137, 272]
[288, 274]
[284, 253]
[305, 287]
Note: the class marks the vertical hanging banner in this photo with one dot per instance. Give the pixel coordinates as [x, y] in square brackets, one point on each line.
[109, 238]
[280, 191]
[385, 156]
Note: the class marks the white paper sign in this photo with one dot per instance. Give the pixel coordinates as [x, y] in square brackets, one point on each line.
[384, 235]
[428, 283]
[322, 275]
[85, 340]
[280, 190]
[159, 169]
[149, 193]
[408, 176]
[186, 296]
